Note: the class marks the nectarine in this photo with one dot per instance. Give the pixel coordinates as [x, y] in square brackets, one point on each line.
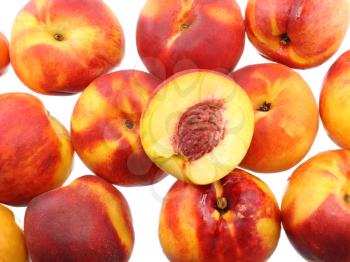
[4, 53]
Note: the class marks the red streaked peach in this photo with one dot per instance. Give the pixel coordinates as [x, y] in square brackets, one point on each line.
[60, 46]
[334, 101]
[300, 34]
[176, 35]
[315, 207]
[235, 219]
[286, 116]
[88, 220]
[4, 53]
[12, 245]
[35, 149]
[105, 128]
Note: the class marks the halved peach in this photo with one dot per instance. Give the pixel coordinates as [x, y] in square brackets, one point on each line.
[198, 126]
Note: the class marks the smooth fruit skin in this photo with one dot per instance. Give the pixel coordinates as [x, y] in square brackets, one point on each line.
[4, 54]
[173, 36]
[35, 149]
[12, 245]
[88, 220]
[61, 46]
[105, 128]
[192, 229]
[334, 101]
[285, 130]
[315, 208]
[298, 33]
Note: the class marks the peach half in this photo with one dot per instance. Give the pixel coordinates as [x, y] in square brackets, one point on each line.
[316, 207]
[36, 153]
[60, 46]
[234, 219]
[297, 33]
[4, 53]
[88, 220]
[286, 116]
[198, 126]
[177, 35]
[105, 128]
[12, 245]
[334, 101]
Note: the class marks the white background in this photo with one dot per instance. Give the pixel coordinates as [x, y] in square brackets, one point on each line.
[145, 202]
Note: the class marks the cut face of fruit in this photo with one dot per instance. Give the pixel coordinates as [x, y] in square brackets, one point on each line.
[198, 126]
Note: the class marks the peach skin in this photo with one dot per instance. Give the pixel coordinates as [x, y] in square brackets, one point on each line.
[235, 219]
[60, 46]
[4, 54]
[35, 149]
[12, 245]
[315, 208]
[197, 126]
[176, 35]
[88, 220]
[334, 101]
[286, 117]
[105, 128]
[298, 33]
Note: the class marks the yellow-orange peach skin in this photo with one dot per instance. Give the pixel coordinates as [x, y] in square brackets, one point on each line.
[88, 220]
[60, 46]
[315, 208]
[105, 128]
[35, 149]
[334, 101]
[12, 245]
[176, 35]
[235, 219]
[300, 34]
[286, 116]
[4, 53]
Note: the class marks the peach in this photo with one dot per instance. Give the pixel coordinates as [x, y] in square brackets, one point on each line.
[315, 208]
[173, 36]
[12, 245]
[35, 149]
[334, 101]
[197, 126]
[88, 220]
[4, 54]
[105, 128]
[60, 46]
[286, 117]
[235, 219]
[300, 34]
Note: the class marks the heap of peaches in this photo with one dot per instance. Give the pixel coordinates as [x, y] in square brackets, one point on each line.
[193, 116]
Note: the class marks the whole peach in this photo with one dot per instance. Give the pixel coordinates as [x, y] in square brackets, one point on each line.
[334, 101]
[12, 245]
[315, 208]
[286, 116]
[105, 128]
[176, 35]
[297, 33]
[35, 149]
[88, 220]
[235, 219]
[60, 46]
[4, 53]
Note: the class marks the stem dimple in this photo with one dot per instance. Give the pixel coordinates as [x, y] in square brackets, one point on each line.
[221, 205]
[284, 39]
[58, 37]
[347, 198]
[184, 26]
[265, 107]
[129, 124]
